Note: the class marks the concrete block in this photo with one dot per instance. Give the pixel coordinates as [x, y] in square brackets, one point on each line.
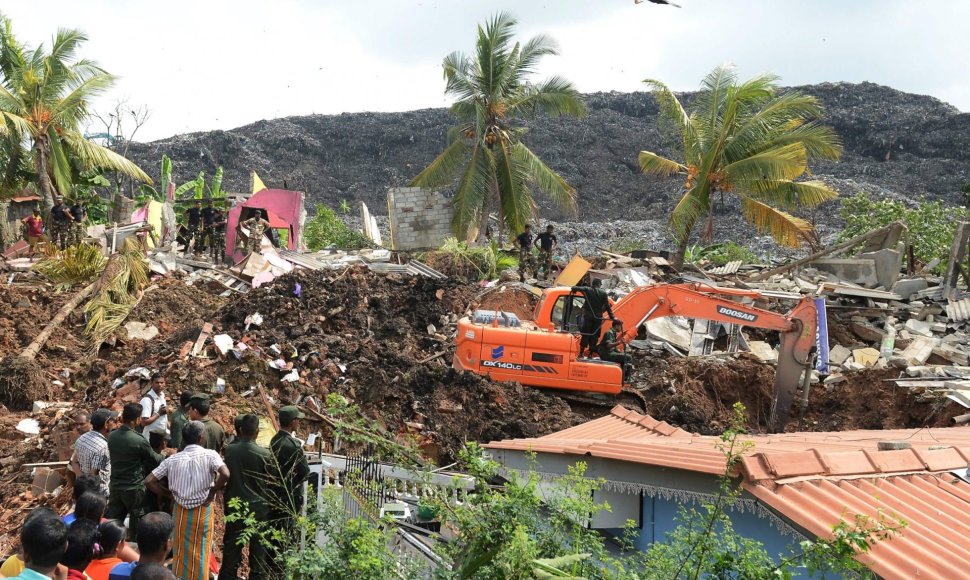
[856, 271]
[906, 288]
[887, 264]
[838, 354]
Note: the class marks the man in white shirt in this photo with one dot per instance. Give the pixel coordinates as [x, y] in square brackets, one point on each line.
[154, 414]
[190, 475]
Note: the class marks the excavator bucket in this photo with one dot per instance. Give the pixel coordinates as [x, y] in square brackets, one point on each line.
[787, 376]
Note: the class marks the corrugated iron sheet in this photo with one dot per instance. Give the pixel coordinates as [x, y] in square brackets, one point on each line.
[958, 310]
[726, 269]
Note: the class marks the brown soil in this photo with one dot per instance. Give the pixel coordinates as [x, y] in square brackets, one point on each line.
[518, 301]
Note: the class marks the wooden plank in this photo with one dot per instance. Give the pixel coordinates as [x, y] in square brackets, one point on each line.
[203, 336]
[274, 419]
[573, 272]
[958, 250]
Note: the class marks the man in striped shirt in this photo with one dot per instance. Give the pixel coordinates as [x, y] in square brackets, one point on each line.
[190, 475]
[91, 449]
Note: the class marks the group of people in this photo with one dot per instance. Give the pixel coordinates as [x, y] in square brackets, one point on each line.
[66, 225]
[547, 242]
[161, 471]
[207, 229]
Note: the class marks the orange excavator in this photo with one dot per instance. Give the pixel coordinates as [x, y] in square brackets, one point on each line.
[544, 352]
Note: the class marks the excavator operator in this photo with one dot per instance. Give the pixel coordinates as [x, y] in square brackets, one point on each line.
[597, 302]
[609, 349]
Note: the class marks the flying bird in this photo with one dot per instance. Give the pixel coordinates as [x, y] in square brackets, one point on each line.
[667, 2]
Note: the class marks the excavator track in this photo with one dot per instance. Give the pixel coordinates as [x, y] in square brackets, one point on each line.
[628, 397]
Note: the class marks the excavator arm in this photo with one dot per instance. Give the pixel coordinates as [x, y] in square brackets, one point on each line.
[797, 329]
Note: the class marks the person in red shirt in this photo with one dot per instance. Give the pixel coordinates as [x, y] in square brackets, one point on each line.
[35, 230]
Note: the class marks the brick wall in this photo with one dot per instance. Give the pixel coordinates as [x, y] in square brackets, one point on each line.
[420, 218]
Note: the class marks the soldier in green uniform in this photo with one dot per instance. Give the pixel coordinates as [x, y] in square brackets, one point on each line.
[290, 472]
[249, 473]
[597, 302]
[177, 421]
[257, 226]
[128, 450]
[215, 435]
[526, 258]
[217, 236]
[548, 243]
[609, 348]
[79, 216]
[61, 220]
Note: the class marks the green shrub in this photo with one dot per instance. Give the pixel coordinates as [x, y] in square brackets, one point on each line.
[721, 254]
[931, 224]
[326, 228]
[484, 262]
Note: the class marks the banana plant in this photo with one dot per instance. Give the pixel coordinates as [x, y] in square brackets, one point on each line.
[148, 192]
[215, 190]
[197, 184]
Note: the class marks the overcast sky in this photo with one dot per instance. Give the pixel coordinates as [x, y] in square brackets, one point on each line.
[218, 64]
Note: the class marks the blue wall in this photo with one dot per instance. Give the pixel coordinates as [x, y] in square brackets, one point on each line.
[659, 518]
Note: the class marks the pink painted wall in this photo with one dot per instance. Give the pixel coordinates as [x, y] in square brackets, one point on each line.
[288, 205]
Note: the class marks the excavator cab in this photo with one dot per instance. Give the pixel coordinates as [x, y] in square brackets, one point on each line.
[567, 313]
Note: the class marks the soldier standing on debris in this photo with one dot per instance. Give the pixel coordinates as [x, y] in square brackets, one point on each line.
[35, 230]
[548, 243]
[128, 450]
[217, 236]
[215, 435]
[249, 473]
[597, 302]
[61, 220]
[526, 259]
[154, 415]
[609, 348]
[78, 216]
[287, 492]
[193, 217]
[257, 226]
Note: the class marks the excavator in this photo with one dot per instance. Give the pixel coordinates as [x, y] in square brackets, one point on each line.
[544, 352]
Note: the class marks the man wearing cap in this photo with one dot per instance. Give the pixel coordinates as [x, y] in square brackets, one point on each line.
[609, 348]
[91, 449]
[154, 415]
[177, 420]
[215, 435]
[249, 471]
[293, 469]
[128, 450]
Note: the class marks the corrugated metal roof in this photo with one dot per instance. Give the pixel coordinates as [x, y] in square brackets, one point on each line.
[815, 480]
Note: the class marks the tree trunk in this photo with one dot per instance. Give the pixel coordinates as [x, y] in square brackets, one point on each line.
[33, 348]
[42, 165]
[681, 252]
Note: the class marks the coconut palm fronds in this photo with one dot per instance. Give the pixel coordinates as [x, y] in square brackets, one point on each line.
[119, 289]
[80, 264]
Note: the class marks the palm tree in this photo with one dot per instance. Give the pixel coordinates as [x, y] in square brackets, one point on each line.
[752, 140]
[485, 152]
[44, 97]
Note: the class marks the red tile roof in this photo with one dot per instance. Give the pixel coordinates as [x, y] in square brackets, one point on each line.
[815, 480]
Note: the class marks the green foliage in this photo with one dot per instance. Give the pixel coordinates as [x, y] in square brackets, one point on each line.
[84, 192]
[720, 254]
[931, 224]
[485, 262]
[326, 228]
[485, 154]
[352, 547]
[215, 190]
[344, 207]
[45, 95]
[79, 264]
[196, 186]
[351, 427]
[124, 277]
[748, 139]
